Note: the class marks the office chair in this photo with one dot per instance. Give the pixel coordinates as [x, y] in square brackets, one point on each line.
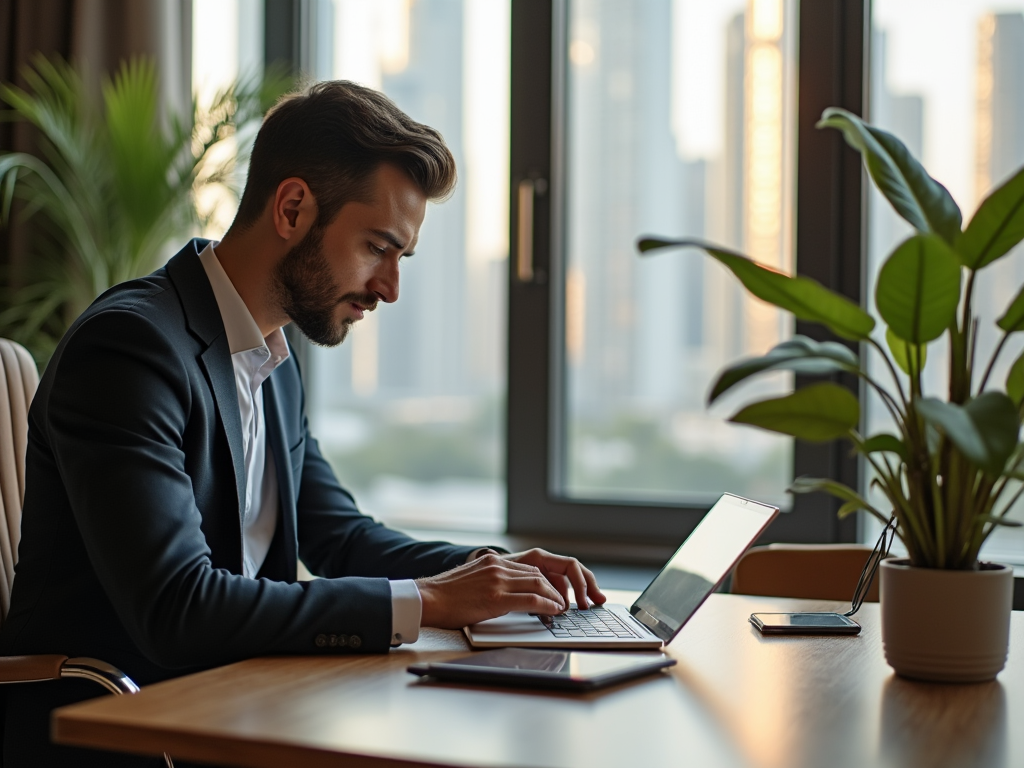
[815, 571]
[18, 381]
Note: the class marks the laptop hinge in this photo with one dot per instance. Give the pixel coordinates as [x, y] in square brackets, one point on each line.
[649, 622]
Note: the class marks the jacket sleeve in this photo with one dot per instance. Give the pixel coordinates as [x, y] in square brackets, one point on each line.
[117, 411]
[335, 539]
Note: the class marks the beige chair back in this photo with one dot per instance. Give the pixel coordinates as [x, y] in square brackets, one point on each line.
[18, 381]
[818, 571]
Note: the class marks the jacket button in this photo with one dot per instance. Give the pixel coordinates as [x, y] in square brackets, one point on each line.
[332, 640]
[342, 640]
[321, 641]
[354, 641]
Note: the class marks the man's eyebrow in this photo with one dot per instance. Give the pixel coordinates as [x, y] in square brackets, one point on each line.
[384, 234]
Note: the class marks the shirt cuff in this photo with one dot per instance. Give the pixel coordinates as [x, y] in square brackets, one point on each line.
[406, 611]
[479, 552]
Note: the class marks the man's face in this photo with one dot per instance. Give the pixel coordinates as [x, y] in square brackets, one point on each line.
[338, 272]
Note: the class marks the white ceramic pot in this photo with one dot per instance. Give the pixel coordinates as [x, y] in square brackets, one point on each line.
[946, 626]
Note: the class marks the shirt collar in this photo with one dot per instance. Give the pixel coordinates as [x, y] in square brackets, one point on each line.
[239, 326]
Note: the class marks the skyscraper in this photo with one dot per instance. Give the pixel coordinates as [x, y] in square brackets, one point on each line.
[999, 153]
[999, 118]
[444, 336]
[767, 160]
[626, 320]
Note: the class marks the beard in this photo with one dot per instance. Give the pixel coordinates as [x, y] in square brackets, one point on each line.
[306, 291]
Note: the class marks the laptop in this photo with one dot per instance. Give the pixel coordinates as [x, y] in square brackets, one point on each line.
[691, 574]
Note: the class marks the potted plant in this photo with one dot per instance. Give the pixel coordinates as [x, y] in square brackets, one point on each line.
[952, 470]
[114, 184]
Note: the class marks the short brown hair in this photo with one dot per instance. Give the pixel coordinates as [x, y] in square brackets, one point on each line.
[334, 135]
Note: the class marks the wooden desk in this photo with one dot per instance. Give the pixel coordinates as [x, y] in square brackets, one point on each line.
[734, 699]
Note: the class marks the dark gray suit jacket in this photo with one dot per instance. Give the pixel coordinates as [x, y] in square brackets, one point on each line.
[131, 546]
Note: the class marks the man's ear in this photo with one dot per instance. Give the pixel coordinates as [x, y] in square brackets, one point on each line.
[293, 208]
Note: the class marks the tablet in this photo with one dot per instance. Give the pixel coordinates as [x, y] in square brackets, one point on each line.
[568, 670]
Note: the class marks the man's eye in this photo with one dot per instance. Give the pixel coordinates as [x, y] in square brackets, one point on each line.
[377, 250]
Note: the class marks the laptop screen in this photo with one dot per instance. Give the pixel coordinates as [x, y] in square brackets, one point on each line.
[701, 563]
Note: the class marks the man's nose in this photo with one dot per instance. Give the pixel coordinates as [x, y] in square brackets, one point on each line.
[384, 283]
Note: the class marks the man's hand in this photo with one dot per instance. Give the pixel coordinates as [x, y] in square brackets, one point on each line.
[563, 572]
[492, 585]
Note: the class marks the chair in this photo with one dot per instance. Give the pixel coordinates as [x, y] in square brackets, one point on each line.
[815, 571]
[18, 382]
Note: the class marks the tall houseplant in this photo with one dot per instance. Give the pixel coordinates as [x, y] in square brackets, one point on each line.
[115, 183]
[951, 471]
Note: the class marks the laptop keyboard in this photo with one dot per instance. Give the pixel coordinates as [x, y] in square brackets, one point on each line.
[596, 622]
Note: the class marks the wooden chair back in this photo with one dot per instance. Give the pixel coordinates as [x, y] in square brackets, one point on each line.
[817, 571]
[18, 381]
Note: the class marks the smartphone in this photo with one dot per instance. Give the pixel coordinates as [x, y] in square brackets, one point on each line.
[804, 624]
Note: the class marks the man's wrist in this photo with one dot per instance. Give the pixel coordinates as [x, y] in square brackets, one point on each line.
[406, 611]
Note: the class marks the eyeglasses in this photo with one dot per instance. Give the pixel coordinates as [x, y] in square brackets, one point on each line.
[878, 554]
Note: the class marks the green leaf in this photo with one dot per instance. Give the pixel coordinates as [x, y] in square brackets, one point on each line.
[1015, 381]
[985, 430]
[884, 443]
[825, 485]
[800, 354]
[816, 413]
[996, 227]
[848, 509]
[1013, 318]
[807, 299]
[918, 289]
[915, 195]
[853, 500]
[853, 506]
[902, 351]
[982, 519]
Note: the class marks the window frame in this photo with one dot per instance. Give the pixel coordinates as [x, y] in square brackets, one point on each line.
[830, 236]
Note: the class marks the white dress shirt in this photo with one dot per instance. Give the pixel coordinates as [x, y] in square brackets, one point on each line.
[254, 358]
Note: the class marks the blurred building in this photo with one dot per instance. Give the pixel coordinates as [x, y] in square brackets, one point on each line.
[999, 119]
[444, 337]
[999, 153]
[625, 321]
[649, 333]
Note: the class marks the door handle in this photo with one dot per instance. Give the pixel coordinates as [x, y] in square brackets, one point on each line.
[524, 229]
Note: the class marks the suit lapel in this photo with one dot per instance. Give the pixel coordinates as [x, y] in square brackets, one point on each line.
[278, 444]
[216, 362]
[204, 320]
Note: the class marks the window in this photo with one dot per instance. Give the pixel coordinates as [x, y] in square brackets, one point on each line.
[227, 44]
[679, 118]
[680, 121]
[590, 122]
[409, 410]
[955, 96]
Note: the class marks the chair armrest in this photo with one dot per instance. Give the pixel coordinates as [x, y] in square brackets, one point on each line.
[26, 669]
[30, 669]
[107, 675]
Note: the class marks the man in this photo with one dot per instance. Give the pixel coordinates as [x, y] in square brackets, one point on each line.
[172, 484]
